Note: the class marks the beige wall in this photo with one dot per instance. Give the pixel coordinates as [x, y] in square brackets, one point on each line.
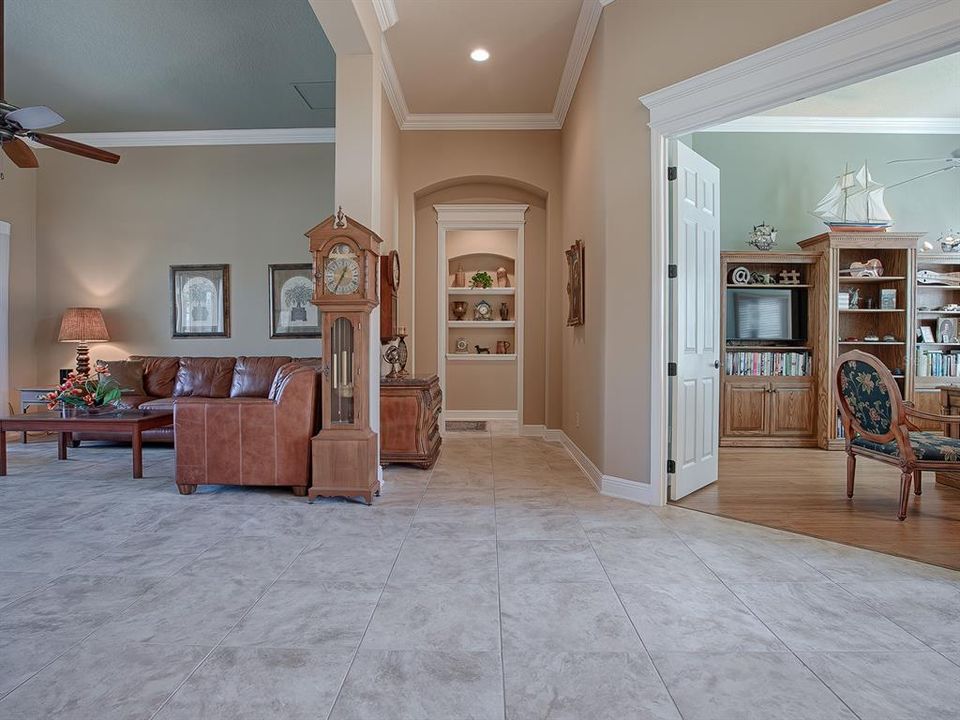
[638, 49]
[18, 206]
[389, 175]
[476, 166]
[108, 234]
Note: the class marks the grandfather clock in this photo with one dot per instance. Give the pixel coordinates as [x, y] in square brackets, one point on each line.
[345, 257]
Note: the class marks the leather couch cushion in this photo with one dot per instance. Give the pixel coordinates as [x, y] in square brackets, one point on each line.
[128, 374]
[253, 376]
[159, 374]
[157, 404]
[204, 377]
[130, 401]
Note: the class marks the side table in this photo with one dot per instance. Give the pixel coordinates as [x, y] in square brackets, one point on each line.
[32, 396]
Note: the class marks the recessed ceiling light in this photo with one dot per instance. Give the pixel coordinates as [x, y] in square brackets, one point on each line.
[479, 55]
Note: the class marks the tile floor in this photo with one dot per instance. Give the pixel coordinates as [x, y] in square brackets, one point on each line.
[499, 585]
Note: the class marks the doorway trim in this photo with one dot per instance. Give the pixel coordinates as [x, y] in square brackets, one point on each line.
[892, 36]
[459, 216]
[4, 315]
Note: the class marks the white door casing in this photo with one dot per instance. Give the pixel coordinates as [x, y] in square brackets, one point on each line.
[885, 38]
[695, 310]
[4, 316]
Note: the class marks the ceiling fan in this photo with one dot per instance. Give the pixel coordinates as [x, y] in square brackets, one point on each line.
[18, 123]
[951, 162]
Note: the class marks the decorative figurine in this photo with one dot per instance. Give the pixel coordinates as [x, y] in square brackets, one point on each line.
[504, 311]
[763, 237]
[789, 277]
[460, 277]
[502, 279]
[459, 308]
[482, 350]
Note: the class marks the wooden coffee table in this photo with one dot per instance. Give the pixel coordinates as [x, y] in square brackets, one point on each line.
[123, 421]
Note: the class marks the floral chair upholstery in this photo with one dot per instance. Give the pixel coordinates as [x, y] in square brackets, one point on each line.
[877, 424]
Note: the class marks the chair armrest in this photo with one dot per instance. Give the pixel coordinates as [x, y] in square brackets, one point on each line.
[945, 419]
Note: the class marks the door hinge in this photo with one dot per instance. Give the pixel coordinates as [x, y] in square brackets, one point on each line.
[671, 369]
[672, 172]
[671, 467]
[671, 271]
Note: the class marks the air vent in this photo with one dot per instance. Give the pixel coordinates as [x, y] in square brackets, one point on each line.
[318, 95]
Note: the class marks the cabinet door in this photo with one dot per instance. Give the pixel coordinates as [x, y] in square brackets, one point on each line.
[927, 401]
[744, 408]
[793, 409]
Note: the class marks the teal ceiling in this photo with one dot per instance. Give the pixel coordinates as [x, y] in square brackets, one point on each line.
[139, 65]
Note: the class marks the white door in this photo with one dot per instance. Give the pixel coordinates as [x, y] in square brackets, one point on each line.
[695, 310]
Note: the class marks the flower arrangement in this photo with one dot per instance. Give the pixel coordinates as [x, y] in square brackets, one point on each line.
[85, 390]
[481, 280]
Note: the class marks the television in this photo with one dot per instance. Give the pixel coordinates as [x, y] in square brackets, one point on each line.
[769, 314]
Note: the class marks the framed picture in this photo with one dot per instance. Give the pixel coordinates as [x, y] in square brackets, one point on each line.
[575, 289]
[947, 330]
[200, 300]
[292, 315]
[926, 334]
[888, 299]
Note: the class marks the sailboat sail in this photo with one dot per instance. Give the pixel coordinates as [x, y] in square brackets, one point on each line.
[855, 200]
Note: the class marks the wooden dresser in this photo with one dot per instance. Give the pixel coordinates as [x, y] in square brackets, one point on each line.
[410, 420]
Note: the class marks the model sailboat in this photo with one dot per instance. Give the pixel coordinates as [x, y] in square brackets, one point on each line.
[855, 202]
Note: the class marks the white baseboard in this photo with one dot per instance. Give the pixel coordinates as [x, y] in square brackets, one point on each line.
[581, 459]
[480, 415]
[539, 431]
[628, 490]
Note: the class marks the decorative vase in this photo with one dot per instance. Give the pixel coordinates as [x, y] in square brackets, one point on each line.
[502, 279]
[504, 311]
[459, 308]
[460, 277]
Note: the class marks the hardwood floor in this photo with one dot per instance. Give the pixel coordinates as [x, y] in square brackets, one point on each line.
[804, 491]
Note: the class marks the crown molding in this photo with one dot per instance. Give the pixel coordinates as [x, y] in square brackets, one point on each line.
[798, 124]
[481, 121]
[173, 138]
[910, 31]
[590, 11]
[587, 23]
[386, 11]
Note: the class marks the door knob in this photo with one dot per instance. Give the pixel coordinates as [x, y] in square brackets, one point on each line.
[716, 364]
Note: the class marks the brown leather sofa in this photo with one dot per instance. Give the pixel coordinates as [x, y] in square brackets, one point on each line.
[248, 439]
[166, 379]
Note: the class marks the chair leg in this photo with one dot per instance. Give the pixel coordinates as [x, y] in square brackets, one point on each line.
[917, 487]
[906, 480]
[851, 471]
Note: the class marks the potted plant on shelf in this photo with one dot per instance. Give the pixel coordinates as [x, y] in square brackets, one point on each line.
[86, 393]
[481, 280]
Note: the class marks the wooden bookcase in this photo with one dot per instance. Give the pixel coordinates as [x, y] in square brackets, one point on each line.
[768, 410]
[927, 312]
[840, 330]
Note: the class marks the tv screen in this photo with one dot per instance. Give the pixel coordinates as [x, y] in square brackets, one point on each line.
[765, 314]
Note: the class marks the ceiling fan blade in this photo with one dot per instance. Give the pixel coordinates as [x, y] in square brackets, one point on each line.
[34, 118]
[71, 146]
[917, 160]
[20, 153]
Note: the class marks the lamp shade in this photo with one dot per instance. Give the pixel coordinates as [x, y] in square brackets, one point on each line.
[83, 324]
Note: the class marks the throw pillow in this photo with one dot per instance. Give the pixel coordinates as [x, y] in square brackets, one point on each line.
[128, 374]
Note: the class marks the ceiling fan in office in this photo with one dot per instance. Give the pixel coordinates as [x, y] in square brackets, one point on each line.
[17, 123]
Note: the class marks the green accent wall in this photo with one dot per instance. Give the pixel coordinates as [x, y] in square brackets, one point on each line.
[780, 177]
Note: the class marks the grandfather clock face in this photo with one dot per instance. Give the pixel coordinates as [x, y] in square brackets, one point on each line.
[342, 271]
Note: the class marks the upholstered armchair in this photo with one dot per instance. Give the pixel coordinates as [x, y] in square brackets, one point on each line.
[249, 440]
[876, 421]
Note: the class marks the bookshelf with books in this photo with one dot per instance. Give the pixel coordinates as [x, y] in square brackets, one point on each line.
[768, 396]
[937, 317]
[872, 312]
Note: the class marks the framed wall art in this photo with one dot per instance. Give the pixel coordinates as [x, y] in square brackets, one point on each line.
[200, 300]
[292, 315]
[575, 289]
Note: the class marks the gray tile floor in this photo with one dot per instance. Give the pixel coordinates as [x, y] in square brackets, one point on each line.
[499, 585]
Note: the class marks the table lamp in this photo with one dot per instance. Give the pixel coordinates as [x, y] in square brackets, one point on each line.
[83, 325]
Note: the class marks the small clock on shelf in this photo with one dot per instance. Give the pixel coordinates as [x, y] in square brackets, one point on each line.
[482, 311]
[462, 345]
